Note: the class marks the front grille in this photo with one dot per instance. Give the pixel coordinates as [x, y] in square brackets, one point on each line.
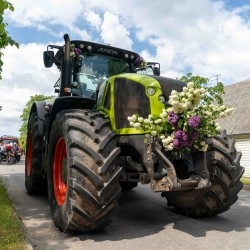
[129, 99]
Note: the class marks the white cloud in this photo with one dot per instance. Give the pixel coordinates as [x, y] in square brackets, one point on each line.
[199, 36]
[23, 76]
[94, 19]
[115, 33]
[30, 13]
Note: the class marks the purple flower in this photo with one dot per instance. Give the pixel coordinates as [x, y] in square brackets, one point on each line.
[180, 134]
[77, 51]
[173, 118]
[180, 139]
[194, 121]
[138, 61]
[177, 143]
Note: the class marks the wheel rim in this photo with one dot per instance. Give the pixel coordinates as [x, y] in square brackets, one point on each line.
[59, 168]
[29, 154]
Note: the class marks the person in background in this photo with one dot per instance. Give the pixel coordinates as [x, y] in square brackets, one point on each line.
[2, 151]
[16, 149]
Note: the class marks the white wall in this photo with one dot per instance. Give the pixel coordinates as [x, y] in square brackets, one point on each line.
[243, 145]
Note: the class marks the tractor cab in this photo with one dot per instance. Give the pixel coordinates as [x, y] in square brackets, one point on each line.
[84, 65]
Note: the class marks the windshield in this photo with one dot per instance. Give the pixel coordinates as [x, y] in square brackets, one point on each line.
[93, 69]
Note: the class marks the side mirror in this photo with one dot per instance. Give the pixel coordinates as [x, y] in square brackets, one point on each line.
[156, 71]
[48, 58]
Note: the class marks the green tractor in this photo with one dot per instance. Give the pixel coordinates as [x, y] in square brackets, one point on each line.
[82, 151]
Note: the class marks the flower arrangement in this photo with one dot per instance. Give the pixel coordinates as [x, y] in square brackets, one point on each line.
[74, 52]
[190, 117]
[139, 62]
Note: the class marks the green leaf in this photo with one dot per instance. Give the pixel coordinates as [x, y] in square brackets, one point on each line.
[5, 39]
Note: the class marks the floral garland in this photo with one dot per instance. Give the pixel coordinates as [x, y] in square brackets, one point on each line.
[74, 52]
[190, 118]
[139, 62]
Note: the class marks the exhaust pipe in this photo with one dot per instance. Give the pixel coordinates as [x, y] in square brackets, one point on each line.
[66, 67]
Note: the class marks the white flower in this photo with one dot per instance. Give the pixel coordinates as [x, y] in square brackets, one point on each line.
[208, 113]
[204, 148]
[132, 124]
[229, 111]
[169, 148]
[140, 119]
[190, 85]
[174, 97]
[174, 92]
[157, 121]
[137, 125]
[184, 107]
[197, 92]
[153, 133]
[164, 114]
[133, 118]
[185, 89]
[203, 91]
[190, 97]
[218, 128]
[130, 119]
[191, 90]
[167, 140]
[202, 143]
[222, 107]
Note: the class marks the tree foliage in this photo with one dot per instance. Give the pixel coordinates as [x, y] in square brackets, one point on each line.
[25, 117]
[5, 39]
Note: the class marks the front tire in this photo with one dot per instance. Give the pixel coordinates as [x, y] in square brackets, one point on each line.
[83, 180]
[223, 162]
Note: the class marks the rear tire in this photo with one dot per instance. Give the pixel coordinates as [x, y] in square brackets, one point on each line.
[35, 182]
[83, 180]
[223, 162]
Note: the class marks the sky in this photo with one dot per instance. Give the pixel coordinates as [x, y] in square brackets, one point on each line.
[209, 38]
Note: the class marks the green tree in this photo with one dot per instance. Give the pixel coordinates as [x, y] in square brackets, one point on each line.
[5, 39]
[25, 117]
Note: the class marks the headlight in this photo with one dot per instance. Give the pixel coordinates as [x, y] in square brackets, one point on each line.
[162, 98]
[151, 91]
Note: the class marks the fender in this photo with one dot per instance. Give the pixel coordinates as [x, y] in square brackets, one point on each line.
[68, 102]
[38, 107]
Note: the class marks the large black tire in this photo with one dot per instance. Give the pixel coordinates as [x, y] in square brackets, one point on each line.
[83, 179]
[35, 180]
[223, 162]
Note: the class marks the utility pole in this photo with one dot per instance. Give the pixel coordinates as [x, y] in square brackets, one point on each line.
[216, 76]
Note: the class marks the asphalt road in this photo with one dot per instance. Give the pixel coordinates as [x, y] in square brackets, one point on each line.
[143, 221]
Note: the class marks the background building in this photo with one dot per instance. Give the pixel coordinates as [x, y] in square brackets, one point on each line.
[237, 124]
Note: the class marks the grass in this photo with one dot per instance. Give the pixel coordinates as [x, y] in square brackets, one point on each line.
[12, 235]
[245, 181]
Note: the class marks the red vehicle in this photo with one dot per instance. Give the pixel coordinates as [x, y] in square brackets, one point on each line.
[11, 141]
